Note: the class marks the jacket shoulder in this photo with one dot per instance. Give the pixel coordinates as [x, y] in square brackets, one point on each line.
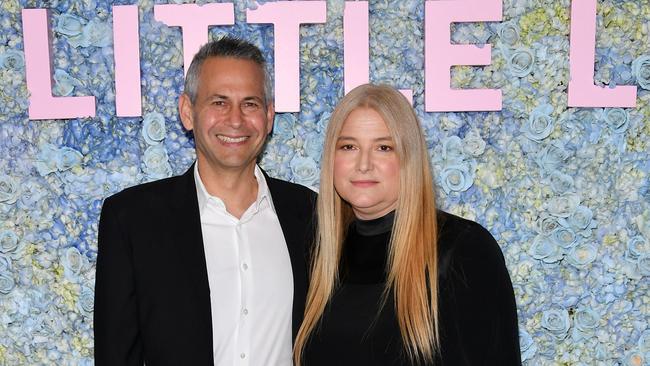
[144, 193]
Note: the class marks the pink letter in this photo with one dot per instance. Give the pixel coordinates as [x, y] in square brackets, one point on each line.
[356, 47]
[128, 102]
[38, 70]
[194, 21]
[582, 91]
[286, 17]
[355, 44]
[440, 55]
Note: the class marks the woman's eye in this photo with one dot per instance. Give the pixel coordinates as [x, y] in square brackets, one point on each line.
[346, 147]
[385, 148]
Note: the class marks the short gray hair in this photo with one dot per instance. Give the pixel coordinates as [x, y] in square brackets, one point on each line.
[226, 47]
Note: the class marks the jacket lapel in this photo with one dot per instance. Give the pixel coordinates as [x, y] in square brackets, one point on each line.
[191, 253]
[296, 227]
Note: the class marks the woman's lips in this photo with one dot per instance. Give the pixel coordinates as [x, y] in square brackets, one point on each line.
[364, 183]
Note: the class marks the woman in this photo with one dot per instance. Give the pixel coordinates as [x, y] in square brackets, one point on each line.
[394, 281]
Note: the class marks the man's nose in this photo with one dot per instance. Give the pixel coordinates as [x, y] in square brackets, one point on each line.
[236, 117]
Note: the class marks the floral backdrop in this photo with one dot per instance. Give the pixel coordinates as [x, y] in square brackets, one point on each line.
[565, 191]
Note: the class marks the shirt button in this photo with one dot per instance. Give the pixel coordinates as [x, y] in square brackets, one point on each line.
[242, 356]
[244, 266]
[245, 311]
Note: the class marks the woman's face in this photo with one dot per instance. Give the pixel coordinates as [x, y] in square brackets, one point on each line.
[366, 167]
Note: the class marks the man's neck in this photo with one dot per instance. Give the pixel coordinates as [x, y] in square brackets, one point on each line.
[237, 188]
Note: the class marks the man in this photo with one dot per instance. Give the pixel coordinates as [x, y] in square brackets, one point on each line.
[208, 267]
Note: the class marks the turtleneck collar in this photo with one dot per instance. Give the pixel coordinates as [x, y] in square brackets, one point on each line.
[376, 226]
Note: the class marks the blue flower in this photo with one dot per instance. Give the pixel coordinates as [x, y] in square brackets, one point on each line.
[552, 156]
[520, 62]
[8, 241]
[153, 128]
[641, 71]
[581, 219]
[313, 145]
[473, 144]
[586, 322]
[69, 25]
[527, 345]
[64, 83]
[457, 177]
[636, 247]
[7, 282]
[73, 263]
[509, 33]
[564, 237]
[643, 265]
[305, 170]
[582, 255]
[616, 119]
[12, 60]
[564, 205]
[86, 302]
[452, 149]
[156, 162]
[9, 189]
[557, 322]
[67, 158]
[644, 341]
[545, 250]
[95, 33]
[540, 124]
[560, 182]
[634, 358]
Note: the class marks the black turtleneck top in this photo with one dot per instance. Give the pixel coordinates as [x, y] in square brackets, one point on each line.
[477, 311]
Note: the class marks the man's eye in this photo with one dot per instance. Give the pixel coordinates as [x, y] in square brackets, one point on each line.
[219, 102]
[251, 105]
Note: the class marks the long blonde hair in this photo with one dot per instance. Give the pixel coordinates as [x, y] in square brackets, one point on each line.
[412, 264]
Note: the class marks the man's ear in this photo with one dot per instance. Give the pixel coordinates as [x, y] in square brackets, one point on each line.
[270, 115]
[185, 110]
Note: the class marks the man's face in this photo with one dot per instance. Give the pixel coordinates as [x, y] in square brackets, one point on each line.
[230, 118]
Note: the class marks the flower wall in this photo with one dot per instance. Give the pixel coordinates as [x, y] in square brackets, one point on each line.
[565, 191]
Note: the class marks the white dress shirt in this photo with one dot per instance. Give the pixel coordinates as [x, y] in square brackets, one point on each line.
[250, 278]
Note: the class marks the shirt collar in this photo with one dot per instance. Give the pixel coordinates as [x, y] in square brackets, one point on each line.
[263, 193]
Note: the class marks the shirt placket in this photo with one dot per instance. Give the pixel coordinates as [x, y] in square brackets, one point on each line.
[246, 276]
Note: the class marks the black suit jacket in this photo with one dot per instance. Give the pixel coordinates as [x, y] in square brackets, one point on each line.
[152, 298]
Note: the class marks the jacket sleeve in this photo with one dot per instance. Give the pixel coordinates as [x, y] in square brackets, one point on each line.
[117, 338]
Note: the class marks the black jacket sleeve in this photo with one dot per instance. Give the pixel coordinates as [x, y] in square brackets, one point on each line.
[117, 339]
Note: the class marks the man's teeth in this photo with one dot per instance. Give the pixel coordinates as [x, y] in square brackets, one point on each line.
[231, 139]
